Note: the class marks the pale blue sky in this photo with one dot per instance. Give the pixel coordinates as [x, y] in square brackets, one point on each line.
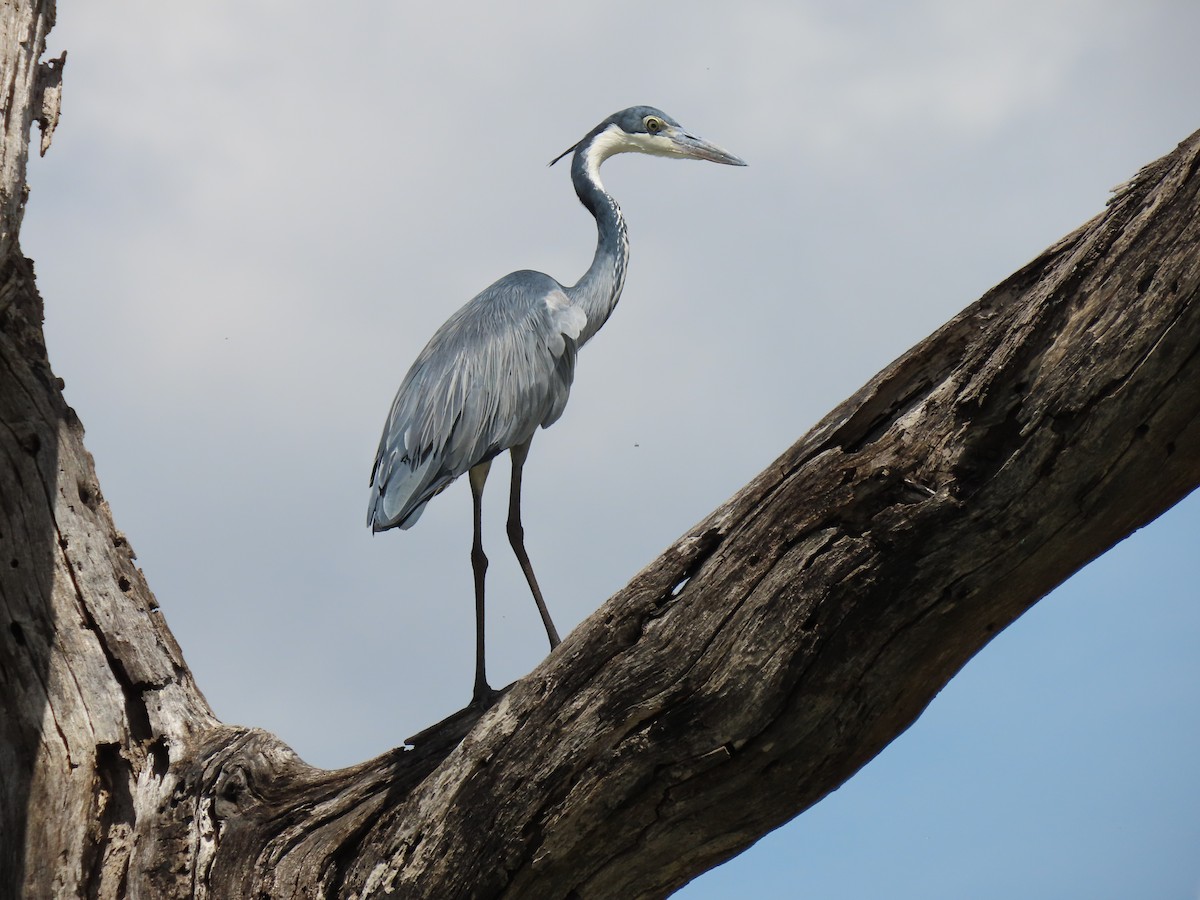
[254, 214]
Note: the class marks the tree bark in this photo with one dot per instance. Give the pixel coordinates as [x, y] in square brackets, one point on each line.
[743, 675]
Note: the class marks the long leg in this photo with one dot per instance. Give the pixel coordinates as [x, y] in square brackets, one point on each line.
[479, 563]
[516, 537]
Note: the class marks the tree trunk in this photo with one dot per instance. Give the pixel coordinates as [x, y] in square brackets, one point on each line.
[743, 675]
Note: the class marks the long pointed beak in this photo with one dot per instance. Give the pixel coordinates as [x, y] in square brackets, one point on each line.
[696, 148]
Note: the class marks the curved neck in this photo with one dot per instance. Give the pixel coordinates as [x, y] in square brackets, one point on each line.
[597, 292]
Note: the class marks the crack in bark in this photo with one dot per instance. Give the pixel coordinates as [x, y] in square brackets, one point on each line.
[140, 731]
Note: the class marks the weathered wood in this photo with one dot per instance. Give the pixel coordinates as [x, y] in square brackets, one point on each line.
[739, 678]
[94, 695]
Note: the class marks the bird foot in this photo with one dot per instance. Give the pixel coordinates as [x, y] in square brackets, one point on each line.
[484, 697]
[453, 729]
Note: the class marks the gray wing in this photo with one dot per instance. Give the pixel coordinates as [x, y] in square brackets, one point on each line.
[496, 370]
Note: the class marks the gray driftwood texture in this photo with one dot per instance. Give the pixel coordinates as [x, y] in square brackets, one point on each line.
[740, 677]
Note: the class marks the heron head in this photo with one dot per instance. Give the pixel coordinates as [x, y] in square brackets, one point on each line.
[644, 129]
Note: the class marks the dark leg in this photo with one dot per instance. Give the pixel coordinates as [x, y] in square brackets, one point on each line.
[516, 537]
[479, 563]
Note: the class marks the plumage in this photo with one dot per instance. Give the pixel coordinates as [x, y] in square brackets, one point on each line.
[496, 370]
[503, 364]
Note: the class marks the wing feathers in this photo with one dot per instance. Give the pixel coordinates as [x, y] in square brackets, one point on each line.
[496, 370]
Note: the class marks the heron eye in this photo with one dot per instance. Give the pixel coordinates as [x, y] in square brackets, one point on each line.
[653, 125]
